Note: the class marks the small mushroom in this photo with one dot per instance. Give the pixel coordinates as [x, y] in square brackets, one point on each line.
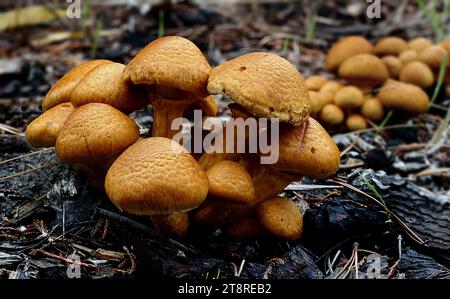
[432, 56]
[408, 56]
[104, 84]
[419, 43]
[349, 97]
[317, 101]
[281, 218]
[403, 97]
[390, 45]
[93, 136]
[446, 45]
[372, 109]
[230, 187]
[393, 64]
[332, 115]
[356, 122]
[364, 71]
[42, 131]
[331, 86]
[156, 176]
[61, 90]
[175, 73]
[346, 48]
[417, 73]
[315, 83]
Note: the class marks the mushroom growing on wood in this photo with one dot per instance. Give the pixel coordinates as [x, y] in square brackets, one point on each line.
[393, 64]
[61, 90]
[104, 84]
[433, 56]
[157, 176]
[349, 97]
[42, 131]
[332, 115]
[93, 136]
[175, 73]
[315, 83]
[281, 218]
[253, 81]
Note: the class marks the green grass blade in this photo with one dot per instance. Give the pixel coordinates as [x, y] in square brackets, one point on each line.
[441, 78]
[372, 188]
[161, 29]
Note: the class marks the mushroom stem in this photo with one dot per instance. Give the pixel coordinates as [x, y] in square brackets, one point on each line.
[175, 224]
[165, 112]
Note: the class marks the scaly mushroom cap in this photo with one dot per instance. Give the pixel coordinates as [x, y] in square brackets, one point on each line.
[372, 109]
[345, 48]
[419, 43]
[356, 122]
[432, 56]
[156, 176]
[42, 131]
[408, 56]
[393, 64]
[364, 69]
[315, 83]
[281, 218]
[307, 150]
[404, 97]
[95, 132]
[171, 62]
[60, 91]
[332, 114]
[104, 84]
[230, 182]
[390, 46]
[265, 84]
[417, 73]
[349, 97]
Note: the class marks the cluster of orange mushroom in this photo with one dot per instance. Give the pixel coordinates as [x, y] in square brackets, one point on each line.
[87, 118]
[393, 74]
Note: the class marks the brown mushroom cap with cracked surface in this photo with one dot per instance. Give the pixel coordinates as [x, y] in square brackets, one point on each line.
[230, 182]
[307, 150]
[332, 114]
[104, 84]
[95, 133]
[433, 56]
[281, 218]
[417, 73]
[61, 90]
[42, 131]
[419, 43]
[345, 48]
[315, 83]
[403, 97]
[364, 70]
[356, 122]
[156, 176]
[265, 84]
[170, 61]
[176, 74]
[390, 46]
[393, 64]
[372, 109]
[349, 97]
